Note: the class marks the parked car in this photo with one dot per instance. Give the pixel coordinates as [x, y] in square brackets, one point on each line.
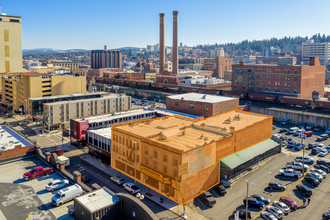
[298, 132]
[289, 140]
[66, 194]
[323, 153]
[290, 173]
[312, 145]
[207, 198]
[316, 175]
[322, 137]
[242, 213]
[275, 211]
[322, 146]
[276, 136]
[289, 202]
[303, 125]
[59, 152]
[268, 216]
[323, 162]
[283, 130]
[309, 133]
[309, 127]
[304, 190]
[57, 184]
[275, 185]
[274, 127]
[265, 200]
[299, 147]
[117, 180]
[131, 187]
[306, 159]
[322, 167]
[321, 172]
[285, 122]
[291, 144]
[296, 165]
[37, 171]
[327, 131]
[317, 128]
[221, 189]
[328, 148]
[285, 209]
[253, 202]
[316, 150]
[312, 180]
[326, 216]
[293, 130]
[85, 178]
[71, 210]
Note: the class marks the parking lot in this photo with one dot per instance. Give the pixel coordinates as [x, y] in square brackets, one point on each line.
[258, 184]
[21, 199]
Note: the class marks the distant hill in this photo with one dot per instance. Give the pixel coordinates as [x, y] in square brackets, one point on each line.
[51, 51]
[126, 48]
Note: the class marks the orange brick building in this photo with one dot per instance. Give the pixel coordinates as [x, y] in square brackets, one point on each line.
[179, 157]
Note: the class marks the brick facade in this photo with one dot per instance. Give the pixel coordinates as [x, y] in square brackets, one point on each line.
[19, 151]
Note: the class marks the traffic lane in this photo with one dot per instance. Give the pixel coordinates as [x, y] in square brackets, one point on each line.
[233, 200]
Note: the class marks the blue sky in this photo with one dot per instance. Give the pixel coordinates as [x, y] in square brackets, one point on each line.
[86, 24]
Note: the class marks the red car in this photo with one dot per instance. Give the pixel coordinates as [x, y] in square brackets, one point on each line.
[37, 171]
[289, 202]
[59, 152]
[309, 133]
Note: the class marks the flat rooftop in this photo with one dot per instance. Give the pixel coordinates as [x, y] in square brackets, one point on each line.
[10, 138]
[109, 117]
[103, 132]
[69, 95]
[198, 97]
[97, 199]
[170, 112]
[185, 134]
[79, 100]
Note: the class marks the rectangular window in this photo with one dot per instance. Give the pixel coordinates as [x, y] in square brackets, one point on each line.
[6, 35]
[155, 165]
[165, 158]
[146, 151]
[6, 51]
[137, 146]
[146, 161]
[155, 154]
[14, 20]
[164, 169]
[119, 139]
[7, 64]
[175, 162]
[176, 103]
[295, 78]
[206, 108]
[137, 158]
[191, 105]
[175, 173]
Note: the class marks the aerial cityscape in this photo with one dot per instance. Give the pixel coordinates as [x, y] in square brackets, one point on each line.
[139, 110]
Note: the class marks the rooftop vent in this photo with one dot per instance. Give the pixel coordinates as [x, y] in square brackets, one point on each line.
[204, 97]
[182, 98]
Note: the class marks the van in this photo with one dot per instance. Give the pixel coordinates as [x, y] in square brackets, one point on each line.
[66, 194]
[293, 130]
[65, 160]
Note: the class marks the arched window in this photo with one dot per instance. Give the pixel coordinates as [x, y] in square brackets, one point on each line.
[284, 71]
[295, 71]
[288, 71]
[165, 81]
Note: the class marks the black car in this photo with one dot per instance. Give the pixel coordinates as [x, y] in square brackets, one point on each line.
[304, 190]
[326, 216]
[221, 189]
[85, 178]
[316, 150]
[323, 162]
[290, 140]
[265, 200]
[303, 125]
[283, 130]
[322, 167]
[312, 145]
[312, 180]
[275, 185]
[242, 214]
[291, 144]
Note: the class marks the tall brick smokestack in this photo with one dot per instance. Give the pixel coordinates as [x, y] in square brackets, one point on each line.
[161, 42]
[175, 44]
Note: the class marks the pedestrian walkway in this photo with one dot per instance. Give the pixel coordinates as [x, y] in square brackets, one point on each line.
[147, 192]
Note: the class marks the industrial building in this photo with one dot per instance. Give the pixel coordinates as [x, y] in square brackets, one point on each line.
[73, 65]
[180, 157]
[11, 41]
[18, 88]
[58, 114]
[295, 80]
[201, 104]
[106, 59]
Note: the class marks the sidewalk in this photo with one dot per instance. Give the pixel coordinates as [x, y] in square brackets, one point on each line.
[147, 192]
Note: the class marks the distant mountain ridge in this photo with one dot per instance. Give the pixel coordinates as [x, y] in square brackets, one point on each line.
[56, 51]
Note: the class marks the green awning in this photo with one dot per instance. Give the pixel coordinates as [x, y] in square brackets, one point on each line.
[247, 154]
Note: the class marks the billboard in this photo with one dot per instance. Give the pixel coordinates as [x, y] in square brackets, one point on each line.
[239, 77]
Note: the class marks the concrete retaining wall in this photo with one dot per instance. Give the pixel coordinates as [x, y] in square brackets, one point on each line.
[297, 117]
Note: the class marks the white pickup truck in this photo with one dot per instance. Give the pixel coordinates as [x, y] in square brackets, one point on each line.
[290, 173]
[296, 165]
[306, 159]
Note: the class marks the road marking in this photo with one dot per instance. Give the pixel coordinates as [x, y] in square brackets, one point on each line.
[200, 202]
[8, 167]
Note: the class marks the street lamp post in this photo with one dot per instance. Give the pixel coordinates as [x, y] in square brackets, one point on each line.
[246, 199]
[302, 141]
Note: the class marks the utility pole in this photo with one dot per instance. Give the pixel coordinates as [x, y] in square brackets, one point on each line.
[302, 137]
[246, 199]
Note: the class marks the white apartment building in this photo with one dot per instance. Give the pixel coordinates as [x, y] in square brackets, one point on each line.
[217, 52]
[311, 49]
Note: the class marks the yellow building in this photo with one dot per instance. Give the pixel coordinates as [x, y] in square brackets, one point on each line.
[151, 77]
[11, 44]
[73, 65]
[180, 157]
[20, 87]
